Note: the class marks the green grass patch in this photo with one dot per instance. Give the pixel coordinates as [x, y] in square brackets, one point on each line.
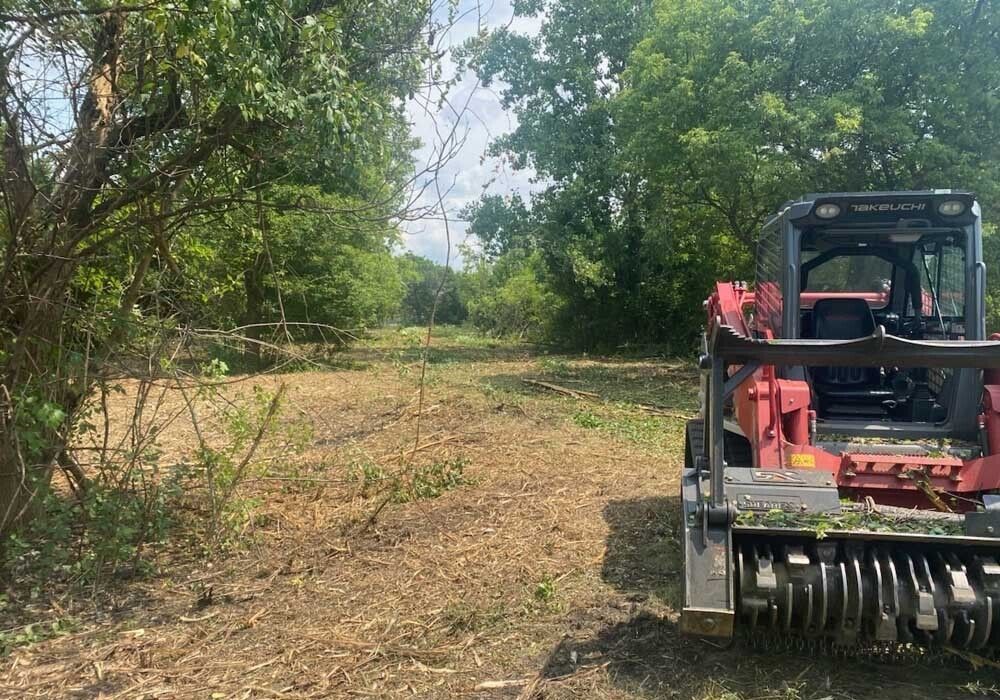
[544, 598]
[545, 590]
[640, 429]
[555, 366]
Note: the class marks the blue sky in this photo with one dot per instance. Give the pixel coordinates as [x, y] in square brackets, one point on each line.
[470, 173]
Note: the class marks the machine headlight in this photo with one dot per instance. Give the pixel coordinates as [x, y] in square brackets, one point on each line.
[828, 211]
[951, 207]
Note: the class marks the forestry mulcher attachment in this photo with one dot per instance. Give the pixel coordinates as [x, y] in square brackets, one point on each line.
[842, 484]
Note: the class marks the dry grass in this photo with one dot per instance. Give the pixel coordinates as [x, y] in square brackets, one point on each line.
[552, 572]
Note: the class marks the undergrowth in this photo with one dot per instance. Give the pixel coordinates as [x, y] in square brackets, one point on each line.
[409, 484]
[128, 502]
[26, 635]
[100, 533]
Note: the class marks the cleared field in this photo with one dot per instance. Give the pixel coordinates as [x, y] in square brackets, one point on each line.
[524, 546]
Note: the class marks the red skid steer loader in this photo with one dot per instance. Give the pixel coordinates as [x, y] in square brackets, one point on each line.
[842, 483]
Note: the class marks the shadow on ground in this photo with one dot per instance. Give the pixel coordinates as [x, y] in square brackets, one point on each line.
[646, 657]
[642, 556]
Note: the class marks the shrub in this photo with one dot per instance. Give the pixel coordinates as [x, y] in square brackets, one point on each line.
[521, 304]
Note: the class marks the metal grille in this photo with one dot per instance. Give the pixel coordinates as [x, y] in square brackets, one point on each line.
[767, 293]
[951, 281]
[936, 377]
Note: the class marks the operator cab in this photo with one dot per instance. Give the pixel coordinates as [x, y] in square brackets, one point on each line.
[838, 266]
[911, 283]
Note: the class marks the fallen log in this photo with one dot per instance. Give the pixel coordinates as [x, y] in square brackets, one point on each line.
[565, 391]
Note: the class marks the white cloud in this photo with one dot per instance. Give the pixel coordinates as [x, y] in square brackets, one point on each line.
[474, 116]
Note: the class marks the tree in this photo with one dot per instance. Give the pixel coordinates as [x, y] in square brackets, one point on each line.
[309, 273]
[125, 125]
[991, 255]
[587, 224]
[423, 279]
[500, 224]
[668, 131]
[510, 296]
[767, 100]
[330, 271]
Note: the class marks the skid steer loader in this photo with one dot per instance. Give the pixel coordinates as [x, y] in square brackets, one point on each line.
[842, 483]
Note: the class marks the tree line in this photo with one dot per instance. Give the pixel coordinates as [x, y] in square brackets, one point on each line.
[665, 132]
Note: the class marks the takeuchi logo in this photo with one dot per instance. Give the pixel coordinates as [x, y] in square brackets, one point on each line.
[889, 206]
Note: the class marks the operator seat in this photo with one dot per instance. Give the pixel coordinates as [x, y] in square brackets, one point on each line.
[842, 319]
[846, 390]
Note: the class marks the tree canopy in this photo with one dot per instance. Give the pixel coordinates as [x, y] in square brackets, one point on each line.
[667, 131]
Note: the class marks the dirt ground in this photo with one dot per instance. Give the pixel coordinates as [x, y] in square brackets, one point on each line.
[547, 567]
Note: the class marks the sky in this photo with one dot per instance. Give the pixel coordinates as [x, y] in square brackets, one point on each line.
[481, 118]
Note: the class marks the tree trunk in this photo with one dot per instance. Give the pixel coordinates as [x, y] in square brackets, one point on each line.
[35, 414]
[44, 373]
[253, 314]
[15, 493]
[23, 482]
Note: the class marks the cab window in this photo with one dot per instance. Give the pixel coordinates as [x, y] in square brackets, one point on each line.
[941, 265]
[867, 275]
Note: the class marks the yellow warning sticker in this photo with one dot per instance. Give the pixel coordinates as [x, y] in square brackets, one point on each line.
[802, 461]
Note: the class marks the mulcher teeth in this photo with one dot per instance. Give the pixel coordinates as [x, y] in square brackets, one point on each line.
[885, 652]
[850, 593]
